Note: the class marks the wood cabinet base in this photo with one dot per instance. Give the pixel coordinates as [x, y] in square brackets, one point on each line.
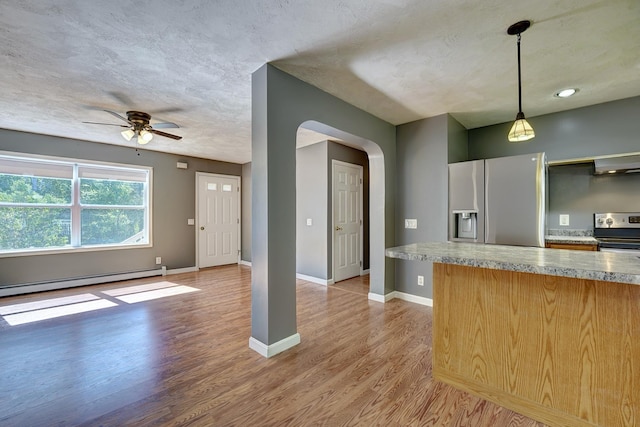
[560, 350]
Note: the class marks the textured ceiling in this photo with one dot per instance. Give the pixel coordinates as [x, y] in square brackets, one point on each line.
[190, 62]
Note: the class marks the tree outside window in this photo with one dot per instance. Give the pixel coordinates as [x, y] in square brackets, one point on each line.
[48, 204]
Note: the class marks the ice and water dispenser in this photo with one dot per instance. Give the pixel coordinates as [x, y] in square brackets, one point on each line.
[465, 224]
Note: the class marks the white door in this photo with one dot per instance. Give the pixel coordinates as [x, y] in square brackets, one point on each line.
[218, 220]
[347, 220]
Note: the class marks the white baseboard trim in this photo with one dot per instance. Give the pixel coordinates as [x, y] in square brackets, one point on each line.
[364, 272]
[400, 295]
[380, 298]
[325, 282]
[182, 270]
[72, 283]
[243, 262]
[413, 298]
[275, 348]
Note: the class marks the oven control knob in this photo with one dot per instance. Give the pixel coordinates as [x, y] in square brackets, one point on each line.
[600, 221]
[609, 221]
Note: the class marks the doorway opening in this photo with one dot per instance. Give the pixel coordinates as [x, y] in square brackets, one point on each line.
[332, 209]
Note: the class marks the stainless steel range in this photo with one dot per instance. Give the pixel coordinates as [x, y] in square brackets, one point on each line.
[617, 232]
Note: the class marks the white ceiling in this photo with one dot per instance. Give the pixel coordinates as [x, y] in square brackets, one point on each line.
[190, 62]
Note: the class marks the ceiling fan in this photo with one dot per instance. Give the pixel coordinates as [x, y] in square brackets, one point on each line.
[138, 125]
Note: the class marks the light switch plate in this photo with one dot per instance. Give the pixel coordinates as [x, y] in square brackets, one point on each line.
[309, 221]
[410, 223]
[191, 221]
[564, 219]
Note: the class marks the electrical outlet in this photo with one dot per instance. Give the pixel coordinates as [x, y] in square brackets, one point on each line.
[564, 219]
[158, 260]
[420, 280]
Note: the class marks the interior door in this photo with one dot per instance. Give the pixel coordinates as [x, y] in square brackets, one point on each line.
[218, 220]
[347, 220]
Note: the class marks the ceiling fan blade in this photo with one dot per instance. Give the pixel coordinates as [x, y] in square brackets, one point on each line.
[106, 124]
[164, 125]
[113, 113]
[168, 135]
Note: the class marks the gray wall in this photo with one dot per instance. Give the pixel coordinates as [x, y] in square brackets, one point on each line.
[424, 149]
[173, 203]
[245, 220]
[603, 129]
[280, 104]
[574, 190]
[311, 202]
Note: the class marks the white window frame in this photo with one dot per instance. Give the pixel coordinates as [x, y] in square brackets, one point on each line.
[75, 206]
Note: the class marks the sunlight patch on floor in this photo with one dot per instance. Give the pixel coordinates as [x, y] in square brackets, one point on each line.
[53, 302]
[52, 312]
[34, 311]
[139, 288]
[155, 294]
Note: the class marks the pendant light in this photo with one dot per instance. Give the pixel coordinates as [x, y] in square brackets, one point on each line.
[521, 129]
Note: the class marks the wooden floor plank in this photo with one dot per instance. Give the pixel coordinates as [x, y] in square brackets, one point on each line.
[184, 360]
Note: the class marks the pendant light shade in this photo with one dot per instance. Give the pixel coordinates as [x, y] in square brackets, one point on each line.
[521, 130]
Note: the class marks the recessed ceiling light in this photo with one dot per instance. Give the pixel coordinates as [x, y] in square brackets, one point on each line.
[565, 93]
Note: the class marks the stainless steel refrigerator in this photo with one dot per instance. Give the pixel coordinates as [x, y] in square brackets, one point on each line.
[501, 200]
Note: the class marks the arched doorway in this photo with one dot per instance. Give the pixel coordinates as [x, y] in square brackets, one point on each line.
[280, 104]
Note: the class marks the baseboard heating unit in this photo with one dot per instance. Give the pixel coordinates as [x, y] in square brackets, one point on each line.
[27, 288]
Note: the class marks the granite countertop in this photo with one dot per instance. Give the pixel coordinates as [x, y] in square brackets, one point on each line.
[572, 240]
[604, 266]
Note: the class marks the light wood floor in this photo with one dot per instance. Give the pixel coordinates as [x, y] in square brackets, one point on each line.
[185, 361]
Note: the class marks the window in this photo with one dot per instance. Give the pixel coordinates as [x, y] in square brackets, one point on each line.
[48, 204]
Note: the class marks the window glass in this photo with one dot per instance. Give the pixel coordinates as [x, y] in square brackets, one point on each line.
[33, 228]
[112, 226]
[54, 203]
[107, 192]
[31, 189]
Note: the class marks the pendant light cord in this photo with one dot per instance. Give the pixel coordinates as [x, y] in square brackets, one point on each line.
[519, 79]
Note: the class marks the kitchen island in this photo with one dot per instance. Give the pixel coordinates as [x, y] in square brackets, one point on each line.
[552, 334]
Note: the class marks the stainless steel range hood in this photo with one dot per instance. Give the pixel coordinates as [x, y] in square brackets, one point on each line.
[623, 164]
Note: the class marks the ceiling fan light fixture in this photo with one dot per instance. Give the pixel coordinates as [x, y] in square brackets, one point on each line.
[144, 137]
[140, 127]
[127, 134]
[521, 130]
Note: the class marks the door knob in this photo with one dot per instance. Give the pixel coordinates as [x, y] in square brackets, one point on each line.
[338, 228]
[201, 228]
